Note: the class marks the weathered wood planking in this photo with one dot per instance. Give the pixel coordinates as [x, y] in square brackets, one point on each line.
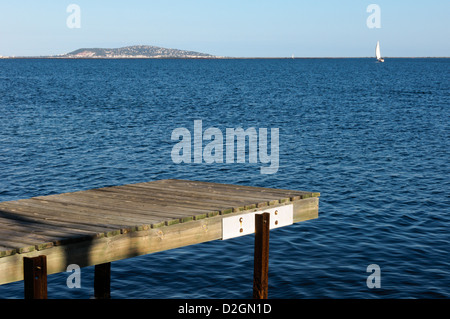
[97, 226]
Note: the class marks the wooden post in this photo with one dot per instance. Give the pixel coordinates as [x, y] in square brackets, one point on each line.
[261, 258]
[102, 281]
[35, 277]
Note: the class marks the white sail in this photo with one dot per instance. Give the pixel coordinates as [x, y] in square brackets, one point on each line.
[377, 51]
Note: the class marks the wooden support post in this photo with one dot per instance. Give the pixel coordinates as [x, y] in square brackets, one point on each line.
[261, 258]
[35, 277]
[102, 281]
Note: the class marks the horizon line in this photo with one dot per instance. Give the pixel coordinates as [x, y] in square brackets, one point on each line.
[216, 57]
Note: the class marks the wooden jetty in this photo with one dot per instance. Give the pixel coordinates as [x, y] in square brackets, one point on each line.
[44, 235]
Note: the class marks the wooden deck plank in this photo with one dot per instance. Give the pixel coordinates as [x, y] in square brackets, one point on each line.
[229, 192]
[26, 214]
[48, 232]
[70, 231]
[107, 218]
[18, 246]
[227, 187]
[70, 208]
[235, 200]
[73, 231]
[138, 202]
[143, 213]
[81, 210]
[194, 202]
[59, 230]
[101, 200]
[170, 194]
[51, 213]
[7, 251]
[226, 193]
[39, 241]
[161, 210]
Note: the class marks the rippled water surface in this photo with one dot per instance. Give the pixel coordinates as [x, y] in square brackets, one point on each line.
[372, 138]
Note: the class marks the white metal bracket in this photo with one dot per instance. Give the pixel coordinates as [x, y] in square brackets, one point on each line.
[244, 224]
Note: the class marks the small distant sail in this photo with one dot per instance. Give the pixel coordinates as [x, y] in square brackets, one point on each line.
[378, 52]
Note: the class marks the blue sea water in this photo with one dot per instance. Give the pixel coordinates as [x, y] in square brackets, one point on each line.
[372, 138]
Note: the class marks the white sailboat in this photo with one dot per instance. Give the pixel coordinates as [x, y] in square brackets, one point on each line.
[378, 53]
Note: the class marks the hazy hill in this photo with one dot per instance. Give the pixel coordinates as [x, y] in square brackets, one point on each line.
[137, 51]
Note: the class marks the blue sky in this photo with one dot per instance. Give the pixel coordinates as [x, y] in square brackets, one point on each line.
[245, 28]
